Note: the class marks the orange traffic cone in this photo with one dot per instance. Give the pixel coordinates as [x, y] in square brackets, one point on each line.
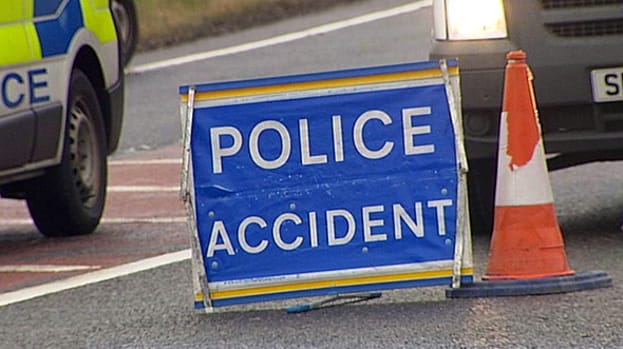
[526, 242]
[527, 253]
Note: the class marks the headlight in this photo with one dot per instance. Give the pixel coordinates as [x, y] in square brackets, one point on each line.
[469, 19]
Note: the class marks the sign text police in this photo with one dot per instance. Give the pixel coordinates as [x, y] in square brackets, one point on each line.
[362, 149]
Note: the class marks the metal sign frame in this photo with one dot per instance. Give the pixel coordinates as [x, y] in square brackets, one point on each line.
[210, 295]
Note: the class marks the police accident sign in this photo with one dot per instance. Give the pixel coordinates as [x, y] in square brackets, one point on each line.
[325, 183]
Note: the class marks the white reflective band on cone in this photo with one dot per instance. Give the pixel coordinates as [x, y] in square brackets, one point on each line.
[526, 185]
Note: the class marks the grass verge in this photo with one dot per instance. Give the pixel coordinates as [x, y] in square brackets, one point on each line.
[165, 22]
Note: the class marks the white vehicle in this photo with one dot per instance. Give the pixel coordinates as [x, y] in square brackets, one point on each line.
[575, 50]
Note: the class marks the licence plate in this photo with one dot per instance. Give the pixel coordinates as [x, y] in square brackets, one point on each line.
[607, 84]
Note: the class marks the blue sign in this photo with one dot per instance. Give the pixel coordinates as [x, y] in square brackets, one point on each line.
[325, 183]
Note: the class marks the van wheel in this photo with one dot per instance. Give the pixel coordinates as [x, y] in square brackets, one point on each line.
[126, 20]
[481, 182]
[69, 199]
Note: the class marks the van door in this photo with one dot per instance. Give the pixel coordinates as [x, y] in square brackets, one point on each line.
[17, 122]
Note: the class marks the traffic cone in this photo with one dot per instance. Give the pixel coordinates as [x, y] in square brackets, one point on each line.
[527, 241]
[527, 253]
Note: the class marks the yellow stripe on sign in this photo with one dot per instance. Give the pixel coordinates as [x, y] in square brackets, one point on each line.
[321, 84]
[314, 285]
[99, 20]
[199, 297]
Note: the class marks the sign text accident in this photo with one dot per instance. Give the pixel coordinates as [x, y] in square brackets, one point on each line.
[325, 183]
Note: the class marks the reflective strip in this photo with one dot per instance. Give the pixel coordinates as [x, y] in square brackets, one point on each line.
[33, 40]
[46, 7]
[332, 284]
[12, 13]
[34, 29]
[293, 87]
[99, 20]
[56, 33]
[15, 47]
[29, 9]
[13, 36]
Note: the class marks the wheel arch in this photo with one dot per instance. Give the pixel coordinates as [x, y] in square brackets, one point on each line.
[87, 61]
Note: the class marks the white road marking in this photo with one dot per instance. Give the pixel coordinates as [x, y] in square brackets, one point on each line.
[122, 220]
[142, 188]
[137, 162]
[112, 220]
[16, 221]
[93, 277]
[323, 29]
[45, 268]
[145, 220]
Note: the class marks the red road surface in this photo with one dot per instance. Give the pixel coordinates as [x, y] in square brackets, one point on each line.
[144, 217]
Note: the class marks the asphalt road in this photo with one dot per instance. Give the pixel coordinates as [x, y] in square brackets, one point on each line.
[153, 309]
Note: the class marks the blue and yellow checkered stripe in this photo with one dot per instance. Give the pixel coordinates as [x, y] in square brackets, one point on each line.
[36, 29]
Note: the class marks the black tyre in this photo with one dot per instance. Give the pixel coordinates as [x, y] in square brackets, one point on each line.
[69, 199]
[126, 21]
[481, 182]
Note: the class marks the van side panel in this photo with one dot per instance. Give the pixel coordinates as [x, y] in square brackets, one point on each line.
[16, 144]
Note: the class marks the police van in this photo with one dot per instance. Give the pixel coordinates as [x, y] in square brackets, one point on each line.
[61, 109]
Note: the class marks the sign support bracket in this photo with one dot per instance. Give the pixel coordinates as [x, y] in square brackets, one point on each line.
[202, 301]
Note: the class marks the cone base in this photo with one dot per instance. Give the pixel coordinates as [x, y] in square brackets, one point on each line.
[493, 277]
[550, 285]
[527, 244]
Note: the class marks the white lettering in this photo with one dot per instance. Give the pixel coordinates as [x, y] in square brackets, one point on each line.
[331, 234]
[368, 145]
[358, 135]
[401, 215]
[338, 142]
[217, 151]
[242, 234]
[254, 146]
[441, 217]
[409, 131]
[218, 230]
[290, 231]
[277, 231]
[313, 229]
[368, 223]
[306, 157]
